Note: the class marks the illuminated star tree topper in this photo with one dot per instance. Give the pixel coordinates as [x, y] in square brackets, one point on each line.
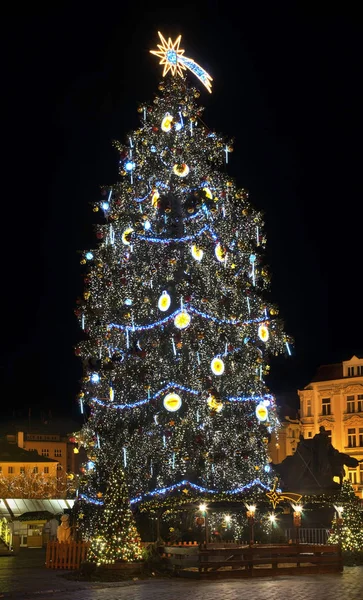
[171, 56]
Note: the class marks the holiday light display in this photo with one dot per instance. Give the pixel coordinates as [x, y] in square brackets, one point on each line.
[185, 383]
[347, 526]
[114, 535]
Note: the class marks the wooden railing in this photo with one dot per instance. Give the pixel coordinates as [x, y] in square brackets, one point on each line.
[66, 556]
[216, 560]
[308, 535]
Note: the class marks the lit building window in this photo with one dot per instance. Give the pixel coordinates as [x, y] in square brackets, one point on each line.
[352, 440]
[46, 469]
[352, 474]
[10, 470]
[350, 404]
[360, 370]
[360, 403]
[308, 408]
[360, 437]
[35, 469]
[22, 470]
[58, 452]
[45, 452]
[326, 406]
[310, 434]
[361, 472]
[350, 371]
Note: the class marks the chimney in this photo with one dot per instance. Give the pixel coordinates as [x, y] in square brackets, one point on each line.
[21, 439]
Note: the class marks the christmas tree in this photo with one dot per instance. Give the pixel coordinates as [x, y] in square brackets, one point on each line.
[115, 537]
[177, 320]
[347, 527]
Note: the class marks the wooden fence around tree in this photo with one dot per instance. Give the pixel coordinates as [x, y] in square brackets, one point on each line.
[232, 560]
[66, 556]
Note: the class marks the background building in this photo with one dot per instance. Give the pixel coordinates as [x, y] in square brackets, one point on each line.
[334, 399]
[44, 440]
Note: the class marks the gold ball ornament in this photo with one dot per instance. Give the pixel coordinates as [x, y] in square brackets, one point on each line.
[217, 366]
[164, 302]
[263, 332]
[220, 253]
[172, 402]
[126, 236]
[182, 319]
[181, 170]
[197, 253]
[214, 404]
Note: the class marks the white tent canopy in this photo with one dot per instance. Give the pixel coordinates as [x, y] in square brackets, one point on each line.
[13, 508]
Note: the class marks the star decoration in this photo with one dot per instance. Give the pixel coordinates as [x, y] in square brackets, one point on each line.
[275, 497]
[99, 495]
[168, 53]
[81, 515]
[185, 491]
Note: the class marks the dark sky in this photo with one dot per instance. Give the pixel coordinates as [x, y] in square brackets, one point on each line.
[287, 86]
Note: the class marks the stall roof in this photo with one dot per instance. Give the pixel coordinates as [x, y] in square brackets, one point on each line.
[13, 508]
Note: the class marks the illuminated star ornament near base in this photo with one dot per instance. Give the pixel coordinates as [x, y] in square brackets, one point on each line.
[277, 497]
[171, 56]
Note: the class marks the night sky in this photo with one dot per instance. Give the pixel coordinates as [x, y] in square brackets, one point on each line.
[287, 86]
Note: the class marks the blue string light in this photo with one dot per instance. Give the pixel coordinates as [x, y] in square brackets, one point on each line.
[190, 309]
[90, 500]
[194, 486]
[185, 238]
[198, 488]
[173, 385]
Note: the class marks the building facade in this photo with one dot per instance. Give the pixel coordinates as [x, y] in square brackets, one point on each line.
[334, 399]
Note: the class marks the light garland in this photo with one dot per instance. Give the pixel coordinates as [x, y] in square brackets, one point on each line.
[177, 386]
[175, 313]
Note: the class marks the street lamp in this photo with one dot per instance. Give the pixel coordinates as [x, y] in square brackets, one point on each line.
[339, 521]
[251, 510]
[297, 508]
[272, 519]
[203, 510]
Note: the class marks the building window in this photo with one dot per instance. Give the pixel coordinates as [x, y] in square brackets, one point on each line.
[361, 472]
[59, 467]
[310, 434]
[22, 470]
[35, 469]
[1, 469]
[360, 432]
[360, 403]
[10, 470]
[45, 452]
[326, 407]
[352, 440]
[360, 370]
[58, 452]
[350, 371]
[352, 474]
[46, 469]
[328, 432]
[308, 408]
[350, 404]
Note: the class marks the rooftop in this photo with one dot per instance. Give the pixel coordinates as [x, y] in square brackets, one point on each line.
[12, 453]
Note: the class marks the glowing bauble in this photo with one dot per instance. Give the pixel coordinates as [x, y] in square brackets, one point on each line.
[126, 236]
[261, 412]
[220, 253]
[182, 319]
[217, 366]
[164, 301]
[172, 402]
[263, 333]
[214, 404]
[154, 198]
[167, 122]
[181, 170]
[208, 193]
[197, 253]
